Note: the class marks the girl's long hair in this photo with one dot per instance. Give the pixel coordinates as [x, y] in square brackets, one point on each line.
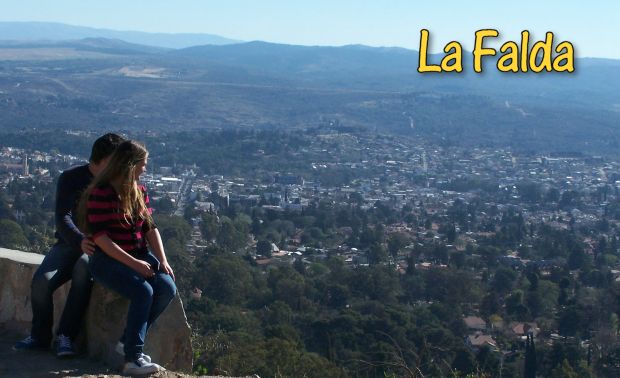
[120, 173]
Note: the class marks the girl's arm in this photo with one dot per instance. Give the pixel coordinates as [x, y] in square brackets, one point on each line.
[112, 249]
[154, 240]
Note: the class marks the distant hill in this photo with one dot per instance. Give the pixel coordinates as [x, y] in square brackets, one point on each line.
[100, 83]
[99, 45]
[51, 31]
[594, 84]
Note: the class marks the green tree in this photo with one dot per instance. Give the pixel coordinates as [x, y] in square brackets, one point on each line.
[171, 226]
[565, 370]
[376, 254]
[396, 242]
[530, 358]
[164, 205]
[263, 248]
[209, 227]
[229, 236]
[225, 278]
[12, 235]
[503, 280]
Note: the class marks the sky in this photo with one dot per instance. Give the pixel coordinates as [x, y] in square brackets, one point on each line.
[593, 27]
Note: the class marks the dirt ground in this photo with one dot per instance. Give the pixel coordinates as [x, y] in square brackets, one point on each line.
[44, 364]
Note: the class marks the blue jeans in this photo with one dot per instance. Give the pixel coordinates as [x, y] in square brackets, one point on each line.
[148, 297]
[61, 264]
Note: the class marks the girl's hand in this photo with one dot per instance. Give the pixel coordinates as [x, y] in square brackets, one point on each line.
[166, 268]
[143, 268]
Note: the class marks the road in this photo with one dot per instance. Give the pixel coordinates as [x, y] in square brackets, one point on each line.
[184, 192]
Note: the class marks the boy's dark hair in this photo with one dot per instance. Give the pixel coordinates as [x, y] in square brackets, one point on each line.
[104, 146]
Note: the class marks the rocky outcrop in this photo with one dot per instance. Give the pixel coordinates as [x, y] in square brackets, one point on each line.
[16, 270]
[168, 341]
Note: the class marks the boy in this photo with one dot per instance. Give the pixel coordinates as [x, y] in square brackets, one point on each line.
[67, 260]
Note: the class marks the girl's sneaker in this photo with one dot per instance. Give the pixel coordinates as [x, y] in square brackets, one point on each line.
[120, 349]
[140, 367]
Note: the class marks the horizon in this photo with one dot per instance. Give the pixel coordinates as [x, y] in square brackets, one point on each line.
[591, 29]
[433, 50]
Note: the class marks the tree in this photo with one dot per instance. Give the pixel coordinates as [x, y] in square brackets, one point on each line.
[180, 260]
[552, 195]
[229, 236]
[514, 305]
[573, 320]
[565, 370]
[490, 304]
[164, 205]
[487, 360]
[449, 230]
[376, 254]
[503, 280]
[173, 227]
[5, 210]
[263, 248]
[226, 279]
[299, 266]
[569, 198]
[396, 242]
[209, 227]
[579, 260]
[440, 253]
[243, 223]
[532, 276]
[464, 362]
[12, 235]
[530, 358]
[458, 259]
[542, 301]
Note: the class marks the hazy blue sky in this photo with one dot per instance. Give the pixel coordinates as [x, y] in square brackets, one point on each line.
[593, 27]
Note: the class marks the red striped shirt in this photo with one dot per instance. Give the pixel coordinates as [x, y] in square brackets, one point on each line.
[105, 218]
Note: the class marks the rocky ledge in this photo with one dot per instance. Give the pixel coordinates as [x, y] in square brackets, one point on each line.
[168, 342]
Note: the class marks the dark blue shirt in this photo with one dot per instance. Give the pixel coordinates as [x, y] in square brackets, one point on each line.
[71, 184]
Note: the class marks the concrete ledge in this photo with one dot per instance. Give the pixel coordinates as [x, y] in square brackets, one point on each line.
[168, 341]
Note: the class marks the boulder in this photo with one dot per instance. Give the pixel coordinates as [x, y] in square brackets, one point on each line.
[16, 270]
[168, 341]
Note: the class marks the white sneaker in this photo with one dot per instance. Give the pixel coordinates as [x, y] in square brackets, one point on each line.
[120, 349]
[140, 367]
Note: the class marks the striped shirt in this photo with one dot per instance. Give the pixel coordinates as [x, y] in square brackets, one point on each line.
[105, 218]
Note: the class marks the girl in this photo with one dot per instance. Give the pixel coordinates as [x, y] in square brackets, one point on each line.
[114, 211]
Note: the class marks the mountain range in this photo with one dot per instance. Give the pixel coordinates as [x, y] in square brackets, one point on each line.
[100, 82]
[52, 31]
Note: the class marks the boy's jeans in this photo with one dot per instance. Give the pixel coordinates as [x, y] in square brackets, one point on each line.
[61, 264]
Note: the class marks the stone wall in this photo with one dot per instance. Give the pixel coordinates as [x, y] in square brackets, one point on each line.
[168, 341]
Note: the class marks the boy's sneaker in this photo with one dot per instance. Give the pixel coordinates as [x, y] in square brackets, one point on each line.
[140, 367]
[120, 349]
[29, 343]
[64, 346]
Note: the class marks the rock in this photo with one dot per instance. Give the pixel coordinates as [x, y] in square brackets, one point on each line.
[16, 270]
[168, 341]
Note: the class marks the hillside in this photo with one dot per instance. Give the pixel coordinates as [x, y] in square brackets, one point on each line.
[53, 31]
[100, 83]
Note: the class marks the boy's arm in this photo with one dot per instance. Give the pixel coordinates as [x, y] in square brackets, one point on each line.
[66, 197]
